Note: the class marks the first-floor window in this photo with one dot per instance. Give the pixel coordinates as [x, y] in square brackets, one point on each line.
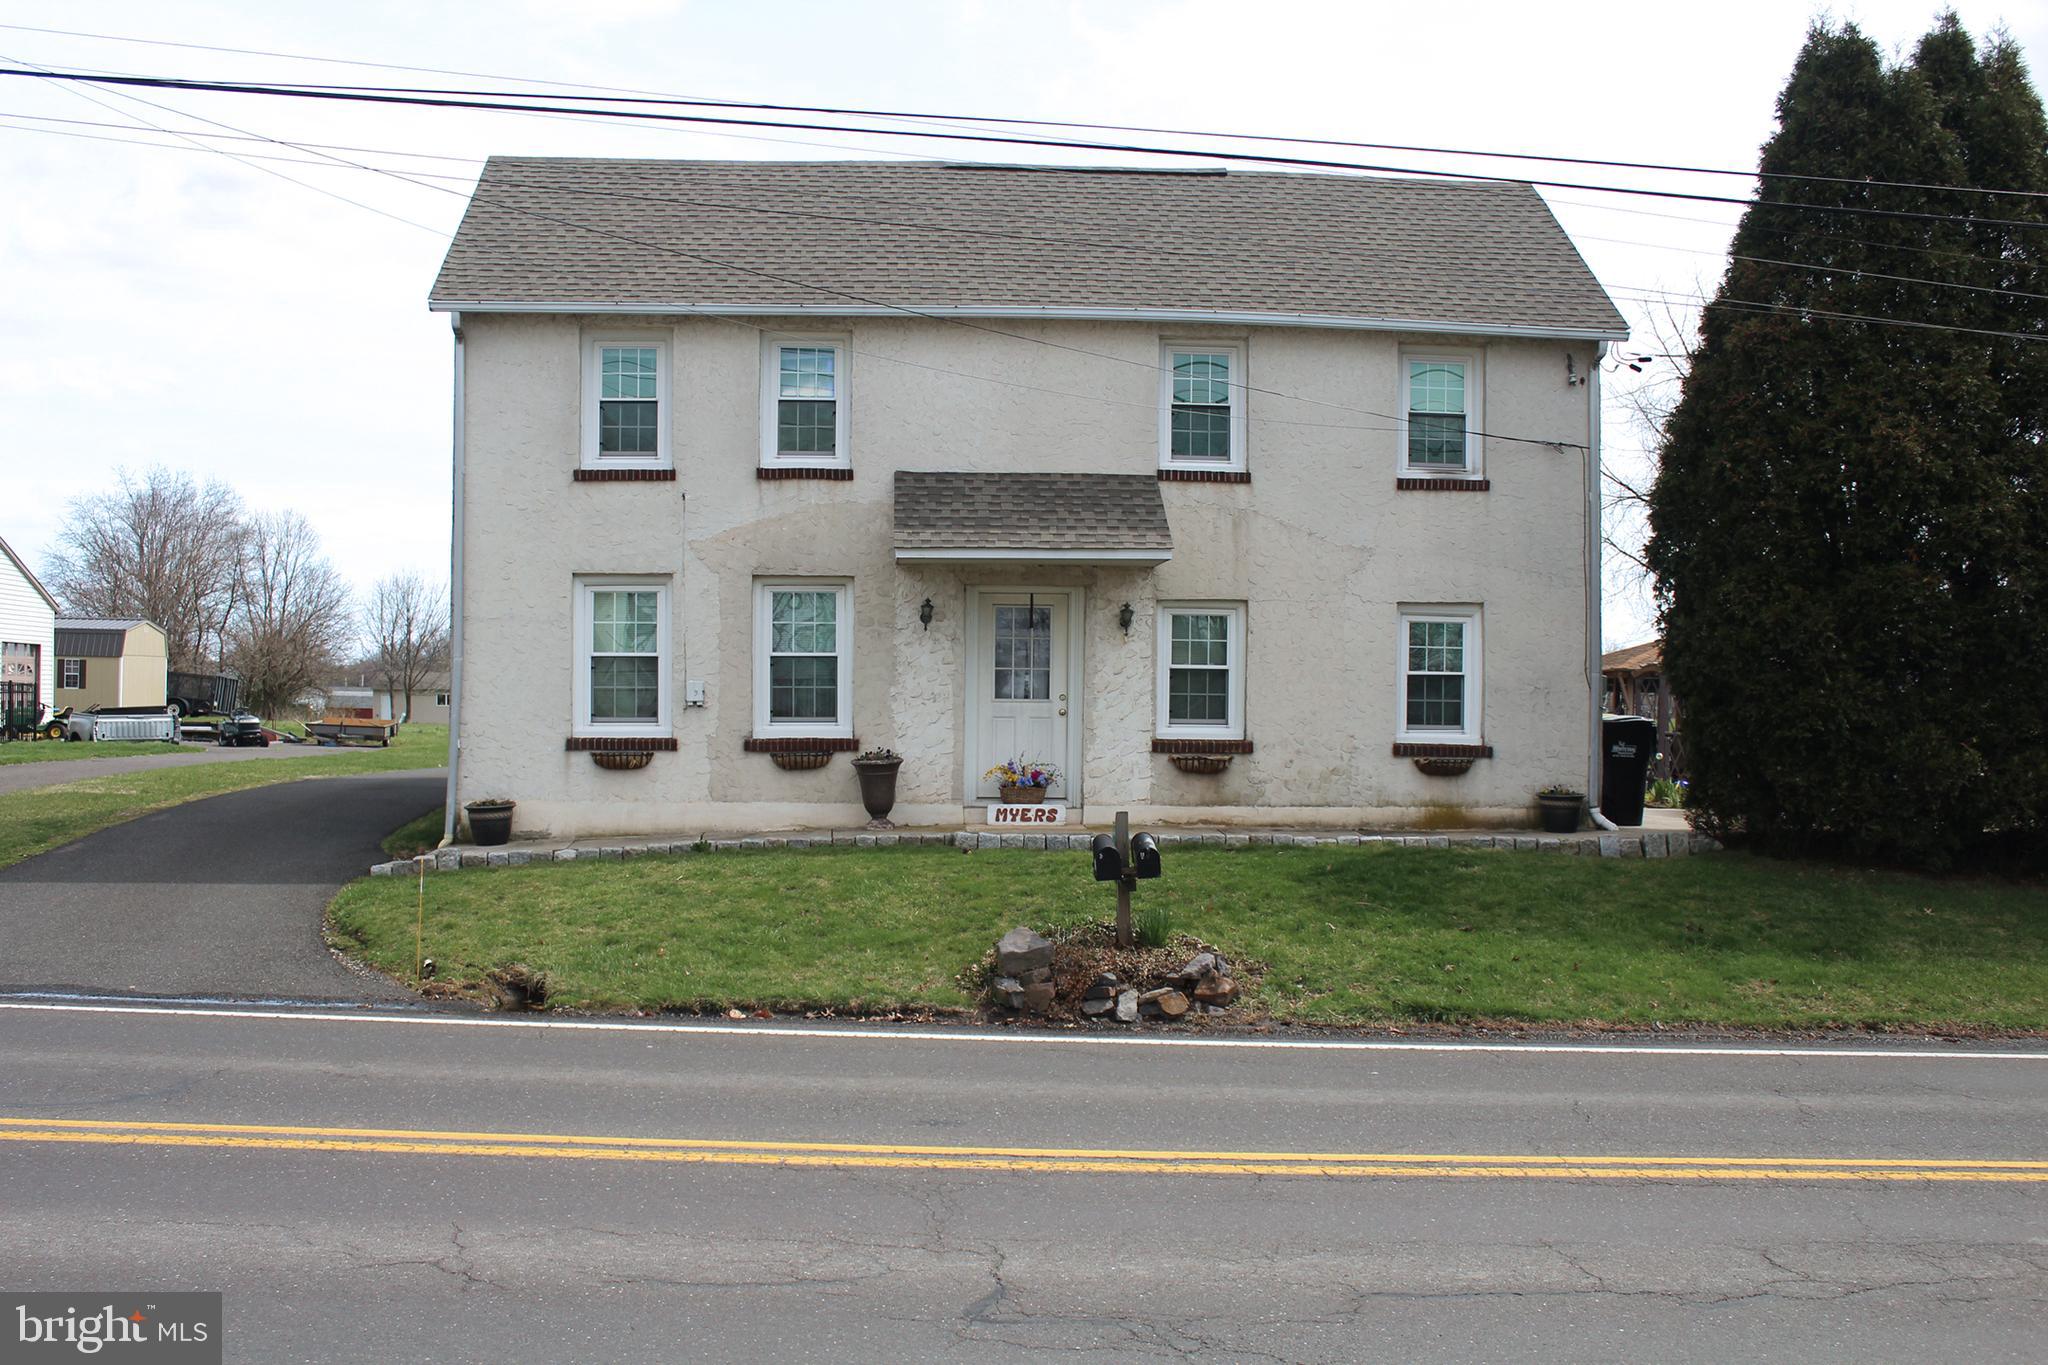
[70, 672]
[440, 699]
[803, 652]
[622, 657]
[1201, 670]
[1440, 674]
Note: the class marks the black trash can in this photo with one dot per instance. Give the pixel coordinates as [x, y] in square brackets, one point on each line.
[1628, 743]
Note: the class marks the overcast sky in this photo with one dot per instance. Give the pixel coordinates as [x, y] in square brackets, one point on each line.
[174, 306]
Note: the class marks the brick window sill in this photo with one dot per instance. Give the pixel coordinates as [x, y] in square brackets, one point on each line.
[1205, 476]
[1417, 485]
[624, 475]
[1405, 750]
[621, 744]
[1201, 746]
[827, 473]
[788, 744]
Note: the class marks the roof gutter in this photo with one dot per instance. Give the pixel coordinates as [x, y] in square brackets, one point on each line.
[1168, 315]
[455, 602]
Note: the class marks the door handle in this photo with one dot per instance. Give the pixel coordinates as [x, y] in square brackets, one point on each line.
[1063, 696]
[1063, 710]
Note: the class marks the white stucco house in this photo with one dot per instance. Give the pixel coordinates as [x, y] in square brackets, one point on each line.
[1133, 473]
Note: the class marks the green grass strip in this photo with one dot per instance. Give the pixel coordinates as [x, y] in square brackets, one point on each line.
[1368, 936]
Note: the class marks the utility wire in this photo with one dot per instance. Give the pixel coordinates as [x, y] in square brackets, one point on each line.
[627, 94]
[369, 96]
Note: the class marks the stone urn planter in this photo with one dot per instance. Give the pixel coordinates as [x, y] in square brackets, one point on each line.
[490, 821]
[877, 771]
[1560, 810]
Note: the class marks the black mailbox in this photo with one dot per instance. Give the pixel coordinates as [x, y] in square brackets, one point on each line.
[1144, 856]
[1109, 864]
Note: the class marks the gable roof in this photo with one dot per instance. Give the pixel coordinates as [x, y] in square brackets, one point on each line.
[28, 574]
[1646, 657]
[1031, 516]
[847, 238]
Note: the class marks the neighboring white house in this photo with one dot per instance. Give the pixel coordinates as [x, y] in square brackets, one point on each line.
[1127, 472]
[28, 635]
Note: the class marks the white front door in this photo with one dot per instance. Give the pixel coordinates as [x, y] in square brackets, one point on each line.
[1023, 684]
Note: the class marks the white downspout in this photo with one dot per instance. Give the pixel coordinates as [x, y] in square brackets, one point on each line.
[455, 607]
[1594, 687]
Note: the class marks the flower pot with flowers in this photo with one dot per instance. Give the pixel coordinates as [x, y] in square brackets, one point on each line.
[1022, 783]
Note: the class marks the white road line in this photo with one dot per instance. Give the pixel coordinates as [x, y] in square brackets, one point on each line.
[922, 1035]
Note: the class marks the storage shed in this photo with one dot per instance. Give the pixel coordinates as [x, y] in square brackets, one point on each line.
[117, 663]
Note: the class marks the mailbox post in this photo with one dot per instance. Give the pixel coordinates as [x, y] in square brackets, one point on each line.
[1124, 858]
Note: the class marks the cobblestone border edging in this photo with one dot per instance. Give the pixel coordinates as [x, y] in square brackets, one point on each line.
[1647, 844]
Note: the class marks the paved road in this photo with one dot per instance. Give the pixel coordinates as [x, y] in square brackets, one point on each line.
[15, 777]
[216, 897]
[611, 1241]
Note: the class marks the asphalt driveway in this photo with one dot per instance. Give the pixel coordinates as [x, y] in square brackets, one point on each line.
[221, 897]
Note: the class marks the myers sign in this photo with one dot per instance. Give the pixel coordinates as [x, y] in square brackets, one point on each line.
[999, 814]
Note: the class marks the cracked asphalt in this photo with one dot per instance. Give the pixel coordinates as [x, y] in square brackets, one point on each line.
[333, 1255]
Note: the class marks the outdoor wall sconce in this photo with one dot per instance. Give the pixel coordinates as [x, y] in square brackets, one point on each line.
[1123, 617]
[924, 613]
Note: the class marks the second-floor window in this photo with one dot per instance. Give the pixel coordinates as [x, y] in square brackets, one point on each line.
[624, 417]
[1201, 407]
[803, 417]
[1440, 415]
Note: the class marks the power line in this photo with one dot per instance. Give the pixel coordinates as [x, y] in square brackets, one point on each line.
[370, 95]
[1640, 295]
[622, 94]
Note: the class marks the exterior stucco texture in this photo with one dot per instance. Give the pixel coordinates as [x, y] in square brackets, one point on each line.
[1320, 548]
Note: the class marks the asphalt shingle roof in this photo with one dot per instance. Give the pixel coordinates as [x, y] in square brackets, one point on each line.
[845, 234]
[1024, 512]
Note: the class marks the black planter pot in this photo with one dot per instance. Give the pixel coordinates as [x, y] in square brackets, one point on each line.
[490, 822]
[878, 786]
[1561, 813]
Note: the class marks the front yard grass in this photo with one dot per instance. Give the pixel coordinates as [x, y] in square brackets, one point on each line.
[58, 751]
[38, 820]
[1370, 936]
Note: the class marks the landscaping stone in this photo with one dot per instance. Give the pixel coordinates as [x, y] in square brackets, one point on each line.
[1102, 1006]
[1216, 990]
[1104, 987]
[1656, 844]
[1236, 840]
[1127, 1006]
[1038, 997]
[498, 857]
[1023, 950]
[519, 857]
[474, 857]
[1168, 1001]
[1631, 846]
[382, 869]
[1196, 967]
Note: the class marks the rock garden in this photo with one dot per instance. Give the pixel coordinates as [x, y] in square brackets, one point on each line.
[1081, 974]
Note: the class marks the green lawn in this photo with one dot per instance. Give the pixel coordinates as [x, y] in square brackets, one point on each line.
[57, 751]
[33, 822]
[1350, 936]
[416, 836]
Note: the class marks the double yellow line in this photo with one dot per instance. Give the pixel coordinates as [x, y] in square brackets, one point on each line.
[1064, 1160]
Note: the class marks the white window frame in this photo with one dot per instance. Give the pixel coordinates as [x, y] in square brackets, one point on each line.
[1469, 616]
[441, 699]
[841, 726]
[66, 667]
[1475, 413]
[1164, 726]
[582, 725]
[1238, 380]
[771, 393]
[593, 389]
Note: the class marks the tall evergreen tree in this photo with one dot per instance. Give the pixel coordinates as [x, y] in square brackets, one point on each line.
[1847, 529]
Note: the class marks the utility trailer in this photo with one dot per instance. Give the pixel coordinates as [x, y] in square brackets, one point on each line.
[202, 694]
